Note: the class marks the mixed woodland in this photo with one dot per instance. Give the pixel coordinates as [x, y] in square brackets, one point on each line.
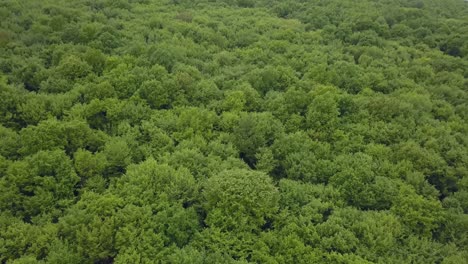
[233, 131]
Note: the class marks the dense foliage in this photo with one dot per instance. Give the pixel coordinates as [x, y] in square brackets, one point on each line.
[233, 131]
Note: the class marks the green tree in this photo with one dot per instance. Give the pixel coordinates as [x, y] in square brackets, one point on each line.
[41, 185]
[239, 200]
[254, 131]
[90, 226]
[420, 215]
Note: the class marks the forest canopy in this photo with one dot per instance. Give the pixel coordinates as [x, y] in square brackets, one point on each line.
[234, 131]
